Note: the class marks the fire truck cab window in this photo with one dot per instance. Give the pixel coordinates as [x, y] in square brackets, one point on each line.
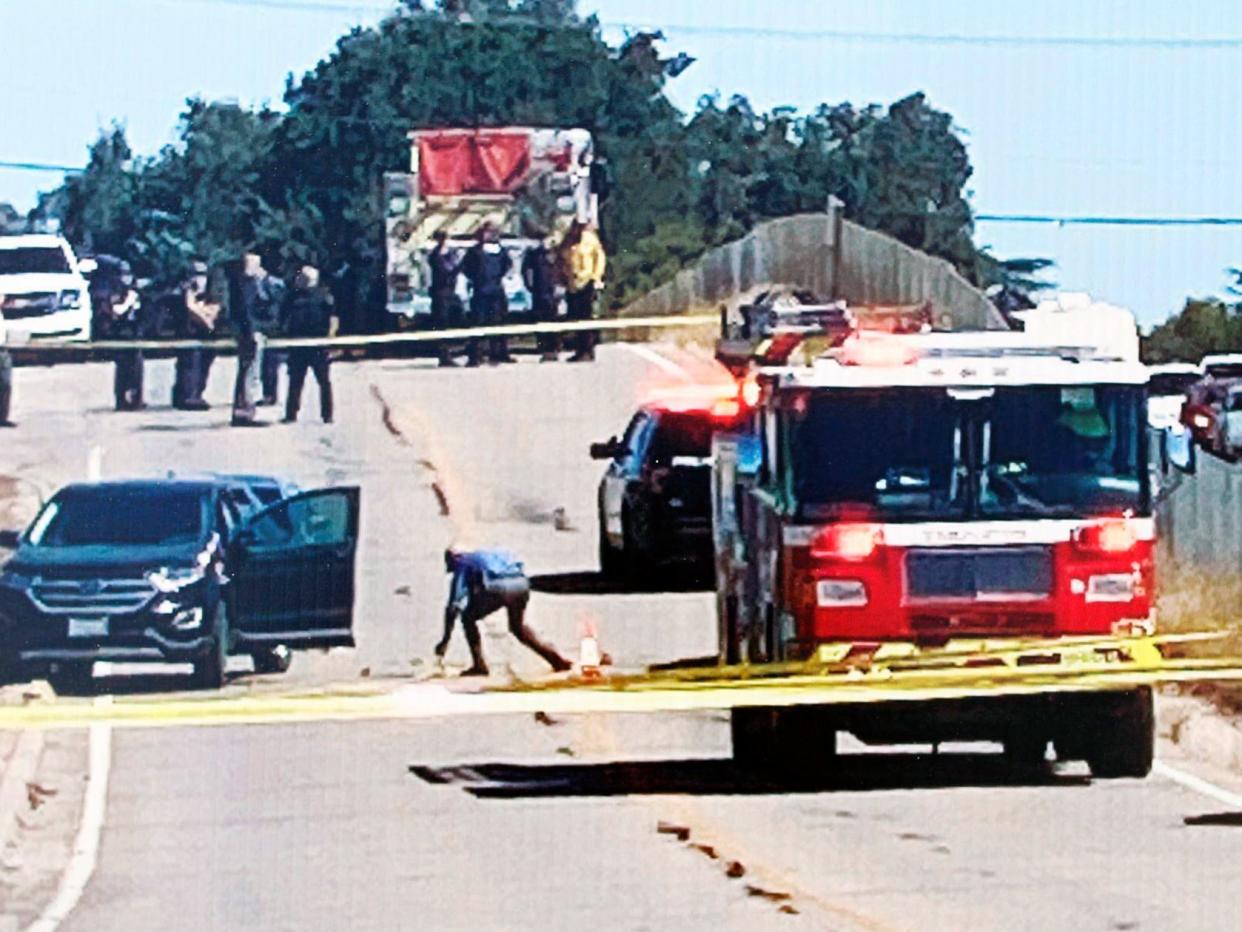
[1063, 451]
[891, 455]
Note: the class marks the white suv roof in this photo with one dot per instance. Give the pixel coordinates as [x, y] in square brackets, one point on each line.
[32, 240]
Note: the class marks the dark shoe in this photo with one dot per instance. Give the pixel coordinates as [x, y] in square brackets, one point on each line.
[473, 364]
[446, 363]
[266, 402]
[7, 424]
[549, 357]
[562, 665]
[198, 405]
[246, 423]
[476, 670]
[289, 419]
[328, 419]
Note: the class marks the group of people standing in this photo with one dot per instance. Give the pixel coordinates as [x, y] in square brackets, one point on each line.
[574, 267]
[260, 306]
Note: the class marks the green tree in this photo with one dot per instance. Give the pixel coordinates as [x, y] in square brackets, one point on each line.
[1200, 328]
[97, 208]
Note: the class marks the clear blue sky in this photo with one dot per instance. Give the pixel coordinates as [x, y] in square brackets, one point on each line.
[1052, 128]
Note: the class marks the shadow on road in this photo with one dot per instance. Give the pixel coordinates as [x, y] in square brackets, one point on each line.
[592, 583]
[852, 773]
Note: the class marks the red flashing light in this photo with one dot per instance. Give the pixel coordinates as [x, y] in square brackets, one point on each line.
[852, 542]
[1110, 537]
[877, 351]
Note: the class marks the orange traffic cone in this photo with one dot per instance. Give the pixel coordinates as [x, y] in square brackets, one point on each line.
[590, 657]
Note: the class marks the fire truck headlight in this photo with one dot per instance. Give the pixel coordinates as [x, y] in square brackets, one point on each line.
[840, 593]
[1111, 587]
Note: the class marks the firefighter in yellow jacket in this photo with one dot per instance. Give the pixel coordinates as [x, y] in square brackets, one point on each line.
[582, 265]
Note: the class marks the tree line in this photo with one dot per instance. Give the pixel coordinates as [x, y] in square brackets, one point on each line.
[304, 184]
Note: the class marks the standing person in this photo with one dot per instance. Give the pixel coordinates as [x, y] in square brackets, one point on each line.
[583, 263]
[309, 313]
[256, 316]
[541, 276]
[196, 317]
[6, 374]
[268, 321]
[116, 307]
[445, 268]
[485, 266]
[485, 581]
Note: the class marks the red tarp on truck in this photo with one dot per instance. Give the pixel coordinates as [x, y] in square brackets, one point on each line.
[475, 162]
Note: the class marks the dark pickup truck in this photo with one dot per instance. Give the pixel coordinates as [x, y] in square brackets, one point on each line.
[173, 570]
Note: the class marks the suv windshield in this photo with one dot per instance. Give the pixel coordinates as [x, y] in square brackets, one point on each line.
[120, 518]
[679, 434]
[1171, 383]
[919, 454]
[40, 260]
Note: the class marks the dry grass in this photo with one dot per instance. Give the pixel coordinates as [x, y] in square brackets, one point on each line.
[1194, 600]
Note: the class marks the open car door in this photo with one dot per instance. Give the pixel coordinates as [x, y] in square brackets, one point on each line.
[292, 570]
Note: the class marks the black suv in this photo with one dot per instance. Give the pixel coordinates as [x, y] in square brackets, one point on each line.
[173, 570]
[655, 498]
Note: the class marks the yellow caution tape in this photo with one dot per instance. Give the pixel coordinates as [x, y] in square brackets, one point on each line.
[380, 339]
[1140, 665]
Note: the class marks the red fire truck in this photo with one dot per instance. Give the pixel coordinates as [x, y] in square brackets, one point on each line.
[935, 490]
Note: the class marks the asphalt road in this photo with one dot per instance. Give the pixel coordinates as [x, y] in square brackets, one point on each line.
[508, 823]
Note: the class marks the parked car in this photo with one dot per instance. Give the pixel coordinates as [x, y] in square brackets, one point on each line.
[1167, 390]
[655, 496]
[43, 289]
[174, 570]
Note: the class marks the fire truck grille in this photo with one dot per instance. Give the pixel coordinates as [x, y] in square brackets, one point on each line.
[982, 624]
[978, 575]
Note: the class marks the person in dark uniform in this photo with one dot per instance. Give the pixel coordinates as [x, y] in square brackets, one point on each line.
[483, 582]
[309, 312]
[541, 275]
[445, 268]
[196, 317]
[256, 317]
[6, 374]
[116, 308]
[485, 266]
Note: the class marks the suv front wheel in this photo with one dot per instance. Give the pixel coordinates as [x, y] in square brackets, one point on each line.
[209, 670]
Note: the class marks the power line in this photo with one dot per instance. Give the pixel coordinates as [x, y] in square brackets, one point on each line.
[40, 167]
[1220, 43]
[1112, 221]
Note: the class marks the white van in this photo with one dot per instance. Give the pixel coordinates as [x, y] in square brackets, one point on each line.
[43, 289]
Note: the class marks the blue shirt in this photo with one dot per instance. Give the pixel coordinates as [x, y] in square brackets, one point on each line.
[476, 569]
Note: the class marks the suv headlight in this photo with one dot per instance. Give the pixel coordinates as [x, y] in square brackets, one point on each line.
[70, 300]
[174, 580]
[13, 579]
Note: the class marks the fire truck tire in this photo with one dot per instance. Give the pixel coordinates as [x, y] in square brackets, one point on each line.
[1125, 744]
[730, 639]
[1026, 748]
[799, 739]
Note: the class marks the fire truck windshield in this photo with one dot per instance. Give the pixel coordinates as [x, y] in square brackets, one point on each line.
[1062, 452]
[896, 454]
[918, 454]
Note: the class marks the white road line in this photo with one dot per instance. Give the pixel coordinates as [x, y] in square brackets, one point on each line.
[1199, 785]
[656, 359]
[86, 846]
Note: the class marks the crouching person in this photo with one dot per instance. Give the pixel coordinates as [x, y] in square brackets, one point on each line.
[483, 582]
